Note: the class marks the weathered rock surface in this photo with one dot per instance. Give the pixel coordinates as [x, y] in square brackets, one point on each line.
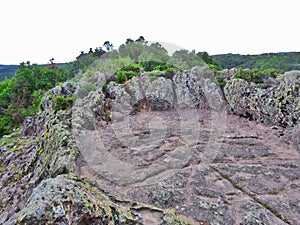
[130, 155]
[70, 200]
[254, 178]
[279, 105]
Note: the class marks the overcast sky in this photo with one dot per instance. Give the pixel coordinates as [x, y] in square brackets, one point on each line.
[37, 30]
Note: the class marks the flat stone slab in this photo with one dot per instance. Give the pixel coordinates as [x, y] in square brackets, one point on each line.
[254, 177]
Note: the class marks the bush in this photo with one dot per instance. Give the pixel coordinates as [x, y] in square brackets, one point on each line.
[256, 75]
[62, 103]
[133, 67]
[220, 81]
[7, 124]
[121, 77]
[127, 72]
[169, 72]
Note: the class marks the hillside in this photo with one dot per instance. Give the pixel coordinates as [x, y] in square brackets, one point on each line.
[7, 71]
[283, 61]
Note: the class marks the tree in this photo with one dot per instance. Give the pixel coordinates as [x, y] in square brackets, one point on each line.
[109, 46]
[141, 40]
[128, 41]
[184, 59]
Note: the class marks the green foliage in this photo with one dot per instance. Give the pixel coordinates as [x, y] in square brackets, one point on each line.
[107, 116]
[7, 124]
[169, 72]
[21, 96]
[184, 59]
[256, 75]
[133, 67]
[155, 74]
[139, 51]
[121, 77]
[5, 93]
[7, 71]
[220, 81]
[36, 102]
[210, 61]
[63, 103]
[127, 72]
[282, 61]
[104, 87]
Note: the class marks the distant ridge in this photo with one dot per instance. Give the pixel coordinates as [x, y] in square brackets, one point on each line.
[267, 53]
[284, 61]
[8, 71]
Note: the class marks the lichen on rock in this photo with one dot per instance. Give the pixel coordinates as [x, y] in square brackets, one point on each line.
[277, 105]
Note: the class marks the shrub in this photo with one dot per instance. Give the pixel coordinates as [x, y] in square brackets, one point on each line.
[255, 75]
[132, 67]
[169, 72]
[62, 103]
[220, 81]
[127, 72]
[121, 77]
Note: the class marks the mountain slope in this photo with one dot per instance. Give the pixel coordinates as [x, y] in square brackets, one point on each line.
[283, 61]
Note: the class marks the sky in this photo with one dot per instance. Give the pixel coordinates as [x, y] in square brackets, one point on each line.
[38, 30]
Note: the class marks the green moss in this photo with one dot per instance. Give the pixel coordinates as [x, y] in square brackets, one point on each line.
[14, 167]
[17, 176]
[231, 181]
[107, 116]
[2, 169]
[273, 192]
[41, 151]
[171, 218]
[137, 107]
[104, 87]
[155, 74]
[277, 214]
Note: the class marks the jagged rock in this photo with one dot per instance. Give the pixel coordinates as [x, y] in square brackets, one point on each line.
[163, 144]
[185, 90]
[227, 74]
[28, 127]
[70, 200]
[279, 105]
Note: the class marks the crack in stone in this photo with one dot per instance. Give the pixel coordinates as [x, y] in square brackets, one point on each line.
[252, 196]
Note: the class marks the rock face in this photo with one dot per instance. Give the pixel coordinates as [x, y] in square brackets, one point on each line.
[279, 105]
[157, 151]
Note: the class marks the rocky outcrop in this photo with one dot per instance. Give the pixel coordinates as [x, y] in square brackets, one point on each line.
[70, 200]
[156, 150]
[278, 105]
